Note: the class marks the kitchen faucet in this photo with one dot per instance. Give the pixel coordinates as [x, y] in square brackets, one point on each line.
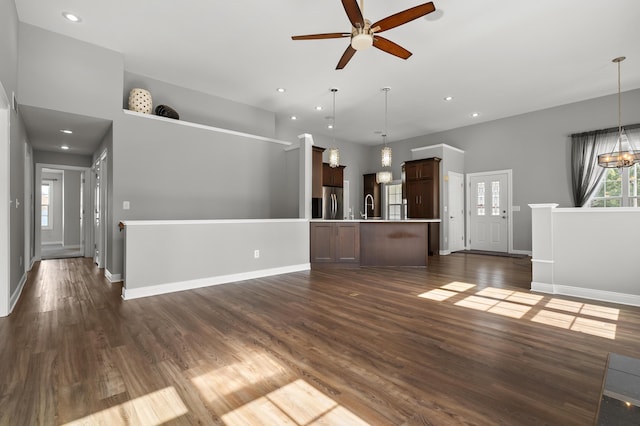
[366, 205]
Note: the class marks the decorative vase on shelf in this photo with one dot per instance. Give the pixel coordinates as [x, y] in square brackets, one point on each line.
[167, 111]
[140, 101]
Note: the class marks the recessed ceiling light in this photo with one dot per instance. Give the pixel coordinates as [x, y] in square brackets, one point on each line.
[330, 126]
[71, 17]
[281, 90]
[293, 117]
[448, 98]
[318, 108]
[65, 147]
[67, 131]
[475, 114]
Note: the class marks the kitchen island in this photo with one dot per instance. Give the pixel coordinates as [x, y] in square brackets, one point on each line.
[371, 242]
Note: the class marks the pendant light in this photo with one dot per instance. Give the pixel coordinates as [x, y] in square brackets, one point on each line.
[385, 176]
[334, 154]
[619, 159]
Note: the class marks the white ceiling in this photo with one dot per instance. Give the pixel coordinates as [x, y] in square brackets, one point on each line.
[496, 57]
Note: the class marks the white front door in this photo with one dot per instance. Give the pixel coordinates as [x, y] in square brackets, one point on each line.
[489, 211]
[456, 212]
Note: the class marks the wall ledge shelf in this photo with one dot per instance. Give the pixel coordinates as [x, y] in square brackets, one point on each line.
[205, 127]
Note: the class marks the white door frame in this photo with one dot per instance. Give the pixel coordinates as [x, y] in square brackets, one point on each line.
[100, 232]
[5, 206]
[38, 200]
[449, 212]
[29, 212]
[509, 173]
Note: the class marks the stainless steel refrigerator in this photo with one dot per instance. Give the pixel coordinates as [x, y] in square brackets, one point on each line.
[332, 203]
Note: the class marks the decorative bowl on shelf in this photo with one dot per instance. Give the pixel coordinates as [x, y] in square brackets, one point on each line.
[140, 101]
[167, 111]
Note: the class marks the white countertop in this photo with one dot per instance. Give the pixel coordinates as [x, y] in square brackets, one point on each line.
[378, 220]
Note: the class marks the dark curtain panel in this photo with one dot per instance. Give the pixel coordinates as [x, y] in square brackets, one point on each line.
[585, 172]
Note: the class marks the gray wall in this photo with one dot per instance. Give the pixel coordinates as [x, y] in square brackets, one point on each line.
[354, 156]
[61, 159]
[202, 108]
[536, 146]
[65, 74]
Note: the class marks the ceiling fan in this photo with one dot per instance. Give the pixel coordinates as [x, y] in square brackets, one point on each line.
[364, 34]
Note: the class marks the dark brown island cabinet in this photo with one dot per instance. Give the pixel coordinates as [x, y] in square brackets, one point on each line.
[335, 242]
[421, 182]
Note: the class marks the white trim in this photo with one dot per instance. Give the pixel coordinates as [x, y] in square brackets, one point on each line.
[593, 210]
[205, 127]
[52, 243]
[440, 145]
[129, 294]
[468, 176]
[445, 252]
[587, 293]
[112, 278]
[206, 222]
[525, 252]
[16, 294]
[544, 206]
[541, 287]
[543, 261]
[5, 202]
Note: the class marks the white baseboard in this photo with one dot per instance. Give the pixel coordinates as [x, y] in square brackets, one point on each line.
[16, 294]
[134, 293]
[445, 252]
[587, 293]
[525, 252]
[112, 278]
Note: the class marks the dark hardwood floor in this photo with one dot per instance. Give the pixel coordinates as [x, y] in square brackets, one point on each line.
[461, 342]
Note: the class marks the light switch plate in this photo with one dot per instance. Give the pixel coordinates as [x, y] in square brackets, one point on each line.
[126, 205]
[515, 208]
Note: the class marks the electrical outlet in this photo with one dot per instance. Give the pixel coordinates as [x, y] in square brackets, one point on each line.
[256, 254]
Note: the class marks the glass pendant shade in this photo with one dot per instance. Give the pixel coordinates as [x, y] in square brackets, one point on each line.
[384, 176]
[334, 157]
[386, 156]
[619, 159]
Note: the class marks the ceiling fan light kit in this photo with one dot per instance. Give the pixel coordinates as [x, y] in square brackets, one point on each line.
[364, 34]
[361, 41]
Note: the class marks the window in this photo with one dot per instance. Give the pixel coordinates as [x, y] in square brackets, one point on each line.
[394, 201]
[495, 198]
[46, 202]
[480, 198]
[618, 188]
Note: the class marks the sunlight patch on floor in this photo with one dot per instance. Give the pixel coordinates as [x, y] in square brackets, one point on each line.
[258, 390]
[152, 409]
[296, 403]
[571, 315]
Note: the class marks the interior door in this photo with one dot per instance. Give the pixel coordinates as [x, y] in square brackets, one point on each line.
[456, 212]
[99, 199]
[488, 215]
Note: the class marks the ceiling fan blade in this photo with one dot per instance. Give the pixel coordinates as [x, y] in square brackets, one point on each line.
[391, 47]
[320, 36]
[346, 57]
[353, 13]
[403, 17]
